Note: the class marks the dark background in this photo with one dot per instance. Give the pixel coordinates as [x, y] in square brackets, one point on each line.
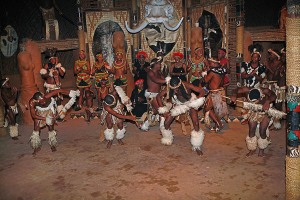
[262, 12]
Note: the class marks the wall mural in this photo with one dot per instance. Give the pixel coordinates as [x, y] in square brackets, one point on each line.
[103, 39]
[100, 28]
[212, 33]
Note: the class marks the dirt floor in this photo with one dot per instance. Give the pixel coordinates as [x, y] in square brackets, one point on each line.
[82, 167]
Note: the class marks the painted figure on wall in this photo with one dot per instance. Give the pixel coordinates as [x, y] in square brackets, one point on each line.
[212, 33]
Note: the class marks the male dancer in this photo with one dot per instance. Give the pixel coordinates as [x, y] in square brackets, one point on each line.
[43, 110]
[9, 95]
[180, 93]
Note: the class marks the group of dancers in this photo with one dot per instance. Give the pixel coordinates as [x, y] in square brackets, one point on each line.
[165, 91]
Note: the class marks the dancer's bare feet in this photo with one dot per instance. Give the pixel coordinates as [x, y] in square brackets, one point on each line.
[199, 152]
[53, 148]
[120, 142]
[36, 150]
[250, 153]
[261, 153]
[109, 143]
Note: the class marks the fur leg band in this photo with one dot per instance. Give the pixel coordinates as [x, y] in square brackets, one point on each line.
[145, 126]
[120, 133]
[167, 138]
[263, 143]
[197, 138]
[251, 143]
[197, 103]
[277, 124]
[162, 110]
[162, 123]
[52, 140]
[13, 131]
[35, 140]
[109, 134]
[178, 110]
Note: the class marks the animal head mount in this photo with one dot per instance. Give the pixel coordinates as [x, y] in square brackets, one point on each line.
[157, 12]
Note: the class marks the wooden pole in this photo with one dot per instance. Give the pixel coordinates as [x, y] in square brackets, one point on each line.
[239, 38]
[135, 21]
[293, 99]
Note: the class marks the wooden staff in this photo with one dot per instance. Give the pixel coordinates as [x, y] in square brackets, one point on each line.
[258, 107]
[136, 123]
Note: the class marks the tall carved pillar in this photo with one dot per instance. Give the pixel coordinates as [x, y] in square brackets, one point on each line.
[80, 32]
[28, 84]
[293, 100]
[196, 40]
[239, 38]
[188, 25]
[36, 56]
[135, 22]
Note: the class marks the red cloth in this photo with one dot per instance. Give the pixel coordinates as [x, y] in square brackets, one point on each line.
[178, 54]
[141, 53]
[139, 81]
[223, 61]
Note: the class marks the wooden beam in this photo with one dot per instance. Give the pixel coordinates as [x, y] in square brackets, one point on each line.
[266, 34]
[61, 45]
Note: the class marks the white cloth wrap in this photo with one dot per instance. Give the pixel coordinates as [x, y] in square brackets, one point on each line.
[120, 133]
[197, 138]
[13, 131]
[167, 136]
[52, 140]
[251, 143]
[150, 95]
[109, 134]
[35, 140]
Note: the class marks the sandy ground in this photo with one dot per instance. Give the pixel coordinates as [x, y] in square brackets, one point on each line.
[82, 167]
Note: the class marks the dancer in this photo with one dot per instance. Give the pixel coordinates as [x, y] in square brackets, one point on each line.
[155, 80]
[113, 113]
[43, 110]
[52, 73]
[258, 122]
[9, 95]
[215, 107]
[180, 93]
